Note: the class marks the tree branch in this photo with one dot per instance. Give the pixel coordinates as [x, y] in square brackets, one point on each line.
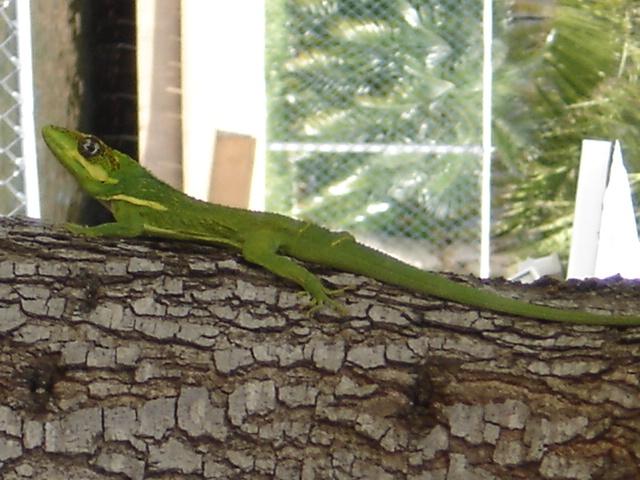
[141, 357]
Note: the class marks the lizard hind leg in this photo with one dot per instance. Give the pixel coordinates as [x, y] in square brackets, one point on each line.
[262, 251]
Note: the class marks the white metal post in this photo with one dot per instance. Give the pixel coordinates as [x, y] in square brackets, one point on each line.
[27, 123]
[487, 147]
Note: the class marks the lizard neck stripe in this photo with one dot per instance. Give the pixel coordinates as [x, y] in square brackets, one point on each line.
[136, 201]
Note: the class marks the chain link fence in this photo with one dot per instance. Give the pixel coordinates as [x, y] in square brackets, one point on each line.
[12, 176]
[375, 122]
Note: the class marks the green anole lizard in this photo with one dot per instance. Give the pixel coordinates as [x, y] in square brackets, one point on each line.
[142, 205]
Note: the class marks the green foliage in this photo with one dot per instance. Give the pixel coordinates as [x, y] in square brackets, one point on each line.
[408, 71]
[384, 71]
[577, 79]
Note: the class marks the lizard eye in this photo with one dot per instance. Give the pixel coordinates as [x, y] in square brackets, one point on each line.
[89, 147]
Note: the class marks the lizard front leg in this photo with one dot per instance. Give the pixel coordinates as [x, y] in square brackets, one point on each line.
[112, 229]
[128, 222]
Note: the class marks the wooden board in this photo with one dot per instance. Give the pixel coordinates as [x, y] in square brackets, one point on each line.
[232, 169]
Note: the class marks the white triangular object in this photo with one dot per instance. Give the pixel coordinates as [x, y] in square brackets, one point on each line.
[618, 245]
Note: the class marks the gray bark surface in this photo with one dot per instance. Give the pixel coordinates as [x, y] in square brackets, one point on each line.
[132, 359]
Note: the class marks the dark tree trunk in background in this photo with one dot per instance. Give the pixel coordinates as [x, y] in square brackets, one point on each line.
[173, 360]
[111, 32]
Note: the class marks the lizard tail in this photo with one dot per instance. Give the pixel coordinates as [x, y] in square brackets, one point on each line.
[344, 253]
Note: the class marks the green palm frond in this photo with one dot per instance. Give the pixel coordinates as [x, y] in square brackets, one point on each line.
[581, 82]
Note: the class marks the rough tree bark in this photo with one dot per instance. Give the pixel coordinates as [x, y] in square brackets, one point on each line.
[139, 358]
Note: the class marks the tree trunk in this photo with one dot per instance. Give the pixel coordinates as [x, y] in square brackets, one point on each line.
[142, 358]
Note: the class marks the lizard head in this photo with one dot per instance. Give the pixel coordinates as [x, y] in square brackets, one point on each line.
[94, 164]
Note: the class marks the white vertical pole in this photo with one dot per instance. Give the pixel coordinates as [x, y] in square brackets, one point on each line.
[27, 122]
[487, 147]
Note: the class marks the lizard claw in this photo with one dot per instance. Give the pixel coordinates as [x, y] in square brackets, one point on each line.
[320, 301]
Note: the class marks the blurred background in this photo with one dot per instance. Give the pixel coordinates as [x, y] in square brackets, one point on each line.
[444, 132]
